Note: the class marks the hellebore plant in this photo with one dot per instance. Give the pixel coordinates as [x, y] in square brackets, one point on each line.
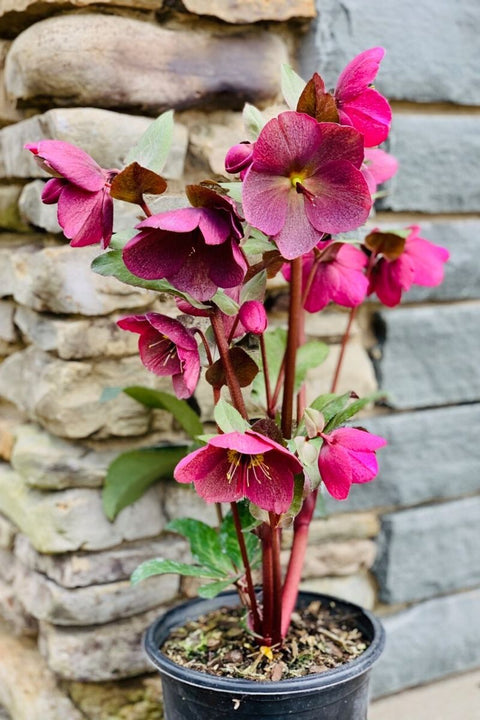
[307, 178]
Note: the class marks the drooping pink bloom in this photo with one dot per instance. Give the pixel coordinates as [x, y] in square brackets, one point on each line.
[339, 276]
[166, 348]
[195, 248]
[81, 189]
[305, 181]
[237, 465]
[253, 317]
[420, 263]
[347, 456]
[378, 167]
[239, 158]
[359, 104]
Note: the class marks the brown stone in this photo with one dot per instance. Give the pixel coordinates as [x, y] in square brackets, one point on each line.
[140, 65]
[250, 11]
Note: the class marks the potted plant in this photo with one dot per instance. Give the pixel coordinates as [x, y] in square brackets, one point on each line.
[306, 183]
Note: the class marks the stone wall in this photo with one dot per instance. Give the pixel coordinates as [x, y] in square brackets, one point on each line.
[95, 75]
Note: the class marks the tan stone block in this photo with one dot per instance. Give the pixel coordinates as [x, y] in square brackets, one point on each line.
[149, 72]
[134, 699]
[337, 558]
[18, 620]
[359, 588]
[339, 528]
[8, 110]
[250, 11]
[7, 533]
[357, 372]
[10, 218]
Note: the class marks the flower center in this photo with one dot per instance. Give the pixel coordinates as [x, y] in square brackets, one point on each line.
[250, 463]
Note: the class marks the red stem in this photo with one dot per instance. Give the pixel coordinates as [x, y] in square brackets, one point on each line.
[266, 375]
[145, 208]
[257, 625]
[232, 380]
[292, 345]
[267, 583]
[277, 580]
[343, 348]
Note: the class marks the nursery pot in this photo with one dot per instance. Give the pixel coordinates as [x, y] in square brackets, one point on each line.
[337, 694]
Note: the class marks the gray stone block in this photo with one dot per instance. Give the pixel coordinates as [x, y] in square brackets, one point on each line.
[432, 47]
[421, 462]
[436, 153]
[429, 641]
[430, 355]
[428, 551]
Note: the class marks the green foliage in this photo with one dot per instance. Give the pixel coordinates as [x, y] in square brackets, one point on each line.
[310, 355]
[152, 150]
[133, 472]
[225, 303]
[180, 409]
[253, 120]
[228, 418]
[204, 545]
[292, 86]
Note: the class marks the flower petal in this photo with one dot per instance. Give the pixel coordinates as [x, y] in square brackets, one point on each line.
[359, 73]
[208, 468]
[265, 200]
[286, 144]
[370, 114]
[298, 235]
[80, 215]
[72, 163]
[270, 484]
[150, 255]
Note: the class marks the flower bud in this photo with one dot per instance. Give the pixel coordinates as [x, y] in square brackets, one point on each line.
[238, 158]
[314, 422]
[253, 317]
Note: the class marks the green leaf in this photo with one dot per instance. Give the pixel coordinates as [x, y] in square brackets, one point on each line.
[254, 289]
[204, 545]
[257, 243]
[297, 501]
[234, 190]
[275, 343]
[212, 589]
[310, 355]
[229, 540]
[253, 120]
[180, 409]
[159, 566]
[225, 303]
[351, 410]
[330, 404]
[228, 418]
[292, 86]
[152, 150]
[110, 264]
[132, 473]
[120, 239]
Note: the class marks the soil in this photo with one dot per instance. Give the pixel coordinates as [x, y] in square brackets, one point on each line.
[321, 637]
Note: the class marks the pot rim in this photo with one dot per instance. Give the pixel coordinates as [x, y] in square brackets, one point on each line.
[160, 628]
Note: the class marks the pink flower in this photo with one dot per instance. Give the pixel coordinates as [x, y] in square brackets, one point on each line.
[195, 248]
[81, 189]
[359, 104]
[237, 465]
[253, 317]
[166, 348]
[347, 456]
[378, 167]
[339, 276]
[305, 181]
[239, 158]
[420, 263]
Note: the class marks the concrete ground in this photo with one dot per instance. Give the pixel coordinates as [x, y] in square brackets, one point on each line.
[456, 698]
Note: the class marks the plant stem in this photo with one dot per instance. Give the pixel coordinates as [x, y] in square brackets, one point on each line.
[343, 348]
[232, 380]
[257, 625]
[145, 208]
[277, 580]
[297, 557]
[292, 345]
[266, 375]
[267, 583]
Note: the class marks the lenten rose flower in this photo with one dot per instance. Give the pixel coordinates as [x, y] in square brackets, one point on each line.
[347, 456]
[237, 465]
[378, 167]
[239, 158]
[195, 248]
[359, 104]
[81, 189]
[166, 348]
[336, 275]
[305, 181]
[420, 263]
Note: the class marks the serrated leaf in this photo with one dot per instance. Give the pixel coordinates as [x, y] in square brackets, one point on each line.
[132, 473]
[153, 148]
[309, 356]
[253, 120]
[330, 404]
[292, 86]
[180, 409]
[229, 540]
[355, 407]
[212, 589]
[160, 566]
[204, 545]
[228, 418]
[134, 182]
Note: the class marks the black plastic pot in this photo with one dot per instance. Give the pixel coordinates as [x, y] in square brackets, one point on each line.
[338, 694]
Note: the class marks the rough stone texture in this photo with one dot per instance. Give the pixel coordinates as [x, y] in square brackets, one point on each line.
[432, 171]
[8, 110]
[10, 218]
[91, 605]
[133, 699]
[462, 276]
[65, 397]
[149, 73]
[337, 559]
[429, 357]
[28, 689]
[428, 641]
[7, 533]
[9, 340]
[14, 614]
[70, 520]
[250, 11]
[105, 135]
[421, 463]
[416, 66]
[99, 652]
[339, 527]
[81, 569]
[358, 588]
[357, 372]
[182, 501]
[51, 463]
[59, 279]
[10, 418]
[76, 339]
[448, 537]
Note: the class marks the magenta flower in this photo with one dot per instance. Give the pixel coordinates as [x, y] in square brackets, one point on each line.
[338, 276]
[239, 158]
[81, 189]
[166, 348]
[378, 167]
[195, 248]
[305, 181]
[238, 465]
[359, 104]
[253, 317]
[420, 263]
[347, 456]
